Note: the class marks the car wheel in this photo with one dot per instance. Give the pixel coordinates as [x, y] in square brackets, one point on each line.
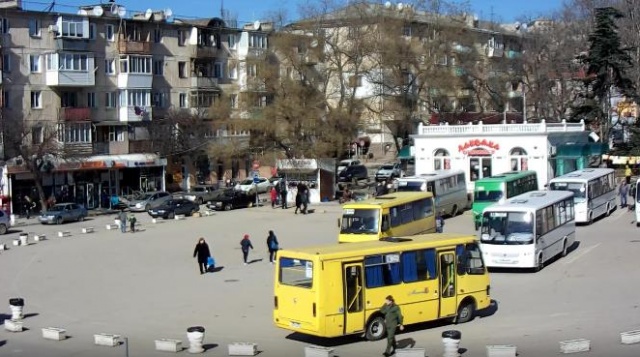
[200, 201]
[3, 229]
[147, 207]
[171, 215]
[228, 207]
[81, 218]
[465, 312]
[375, 329]
[58, 220]
[250, 204]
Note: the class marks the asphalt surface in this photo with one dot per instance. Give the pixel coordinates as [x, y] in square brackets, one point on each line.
[146, 286]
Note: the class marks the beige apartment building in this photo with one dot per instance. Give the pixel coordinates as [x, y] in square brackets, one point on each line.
[102, 78]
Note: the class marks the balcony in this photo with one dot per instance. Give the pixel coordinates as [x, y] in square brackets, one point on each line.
[58, 76]
[140, 146]
[207, 51]
[74, 114]
[111, 148]
[134, 113]
[77, 149]
[68, 44]
[134, 80]
[134, 47]
[204, 82]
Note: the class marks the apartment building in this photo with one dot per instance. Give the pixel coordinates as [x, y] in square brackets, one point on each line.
[101, 79]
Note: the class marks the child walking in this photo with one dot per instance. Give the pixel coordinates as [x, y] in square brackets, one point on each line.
[245, 243]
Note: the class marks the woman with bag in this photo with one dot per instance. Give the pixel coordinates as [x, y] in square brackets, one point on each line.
[203, 254]
[245, 243]
[273, 246]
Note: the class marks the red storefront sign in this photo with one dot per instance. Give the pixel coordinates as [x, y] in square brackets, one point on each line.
[472, 146]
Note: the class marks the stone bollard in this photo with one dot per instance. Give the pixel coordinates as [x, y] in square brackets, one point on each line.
[451, 341]
[24, 239]
[195, 335]
[16, 305]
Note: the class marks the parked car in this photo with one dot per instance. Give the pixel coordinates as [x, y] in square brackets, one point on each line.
[230, 198]
[170, 208]
[5, 222]
[201, 193]
[389, 171]
[346, 163]
[247, 185]
[354, 174]
[63, 212]
[148, 201]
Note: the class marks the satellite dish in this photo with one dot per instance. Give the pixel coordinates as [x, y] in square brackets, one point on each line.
[387, 4]
[148, 14]
[122, 11]
[517, 25]
[168, 12]
[314, 43]
[83, 12]
[256, 25]
[98, 11]
[114, 9]
[524, 27]
[400, 6]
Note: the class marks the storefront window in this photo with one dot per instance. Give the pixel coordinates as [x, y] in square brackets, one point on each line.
[480, 164]
[441, 160]
[518, 158]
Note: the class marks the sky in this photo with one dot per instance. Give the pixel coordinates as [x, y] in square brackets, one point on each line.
[247, 11]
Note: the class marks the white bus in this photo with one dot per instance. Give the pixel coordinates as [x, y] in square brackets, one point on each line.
[528, 230]
[449, 188]
[594, 192]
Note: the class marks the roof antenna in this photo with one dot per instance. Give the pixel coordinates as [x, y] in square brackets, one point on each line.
[50, 7]
[222, 9]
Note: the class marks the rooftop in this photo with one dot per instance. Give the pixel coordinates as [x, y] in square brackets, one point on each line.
[499, 129]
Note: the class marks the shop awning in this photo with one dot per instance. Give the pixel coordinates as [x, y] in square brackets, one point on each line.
[406, 153]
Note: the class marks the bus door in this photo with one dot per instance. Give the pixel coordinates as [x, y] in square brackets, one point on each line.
[353, 295]
[448, 301]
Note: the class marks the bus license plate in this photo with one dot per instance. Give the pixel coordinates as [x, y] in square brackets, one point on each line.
[295, 324]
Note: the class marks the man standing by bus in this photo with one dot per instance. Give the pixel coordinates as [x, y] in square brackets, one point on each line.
[392, 320]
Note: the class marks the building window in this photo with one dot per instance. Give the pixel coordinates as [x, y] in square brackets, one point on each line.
[182, 69]
[258, 41]
[34, 64]
[110, 34]
[69, 99]
[72, 28]
[234, 101]
[157, 35]
[252, 70]
[232, 41]
[36, 99]
[182, 37]
[110, 99]
[138, 98]
[37, 135]
[135, 64]
[518, 158]
[110, 66]
[183, 100]
[441, 160]
[218, 70]
[355, 81]
[158, 100]
[117, 133]
[479, 164]
[158, 67]
[92, 32]
[5, 99]
[4, 25]
[6, 63]
[72, 62]
[91, 100]
[74, 133]
[406, 31]
[233, 71]
[35, 28]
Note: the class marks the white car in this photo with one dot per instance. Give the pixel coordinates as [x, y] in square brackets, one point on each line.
[247, 185]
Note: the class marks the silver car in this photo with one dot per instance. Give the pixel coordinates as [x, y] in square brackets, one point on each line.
[5, 222]
[148, 200]
[63, 212]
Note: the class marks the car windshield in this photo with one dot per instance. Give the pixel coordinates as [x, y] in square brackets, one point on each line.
[507, 228]
[386, 167]
[199, 189]
[247, 182]
[147, 196]
[487, 196]
[579, 189]
[360, 221]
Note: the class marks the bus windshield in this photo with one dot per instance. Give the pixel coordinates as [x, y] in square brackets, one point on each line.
[579, 189]
[360, 221]
[507, 228]
[487, 196]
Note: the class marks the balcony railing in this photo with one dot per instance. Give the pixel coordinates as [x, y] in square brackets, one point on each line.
[204, 82]
[111, 148]
[207, 51]
[67, 44]
[140, 146]
[134, 47]
[470, 129]
[75, 114]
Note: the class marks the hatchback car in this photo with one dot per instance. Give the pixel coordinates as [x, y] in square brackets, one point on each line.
[247, 185]
[389, 171]
[170, 208]
[230, 198]
[63, 212]
[354, 174]
[148, 201]
[346, 163]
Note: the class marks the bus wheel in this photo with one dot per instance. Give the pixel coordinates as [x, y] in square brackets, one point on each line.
[608, 210]
[465, 312]
[454, 211]
[375, 329]
[540, 264]
[591, 218]
[564, 248]
[477, 225]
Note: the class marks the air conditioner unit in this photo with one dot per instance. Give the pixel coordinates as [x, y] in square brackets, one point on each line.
[53, 28]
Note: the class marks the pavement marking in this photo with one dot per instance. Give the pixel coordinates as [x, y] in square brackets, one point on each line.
[579, 254]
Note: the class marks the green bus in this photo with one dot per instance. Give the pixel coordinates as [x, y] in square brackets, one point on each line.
[498, 188]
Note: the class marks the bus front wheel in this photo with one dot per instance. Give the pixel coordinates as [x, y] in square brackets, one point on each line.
[375, 329]
[465, 312]
[540, 264]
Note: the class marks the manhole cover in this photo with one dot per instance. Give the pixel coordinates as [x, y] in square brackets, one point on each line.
[231, 281]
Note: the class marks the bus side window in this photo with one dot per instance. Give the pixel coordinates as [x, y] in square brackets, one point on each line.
[385, 222]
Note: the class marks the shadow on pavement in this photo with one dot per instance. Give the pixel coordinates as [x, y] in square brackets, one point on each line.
[489, 311]
[209, 346]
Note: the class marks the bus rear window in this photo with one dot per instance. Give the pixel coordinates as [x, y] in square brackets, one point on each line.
[487, 196]
[296, 272]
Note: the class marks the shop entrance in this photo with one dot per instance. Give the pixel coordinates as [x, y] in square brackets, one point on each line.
[480, 164]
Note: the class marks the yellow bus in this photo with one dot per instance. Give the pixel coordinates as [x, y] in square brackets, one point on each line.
[392, 215]
[336, 290]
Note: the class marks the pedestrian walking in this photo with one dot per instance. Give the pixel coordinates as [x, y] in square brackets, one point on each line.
[132, 223]
[283, 193]
[245, 244]
[202, 253]
[298, 201]
[273, 246]
[623, 191]
[29, 206]
[392, 320]
[440, 222]
[123, 221]
[274, 196]
[305, 199]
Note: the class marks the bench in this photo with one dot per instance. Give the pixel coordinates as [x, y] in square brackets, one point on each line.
[3, 247]
[179, 217]
[62, 234]
[16, 242]
[242, 349]
[39, 237]
[112, 226]
[54, 333]
[105, 339]
[12, 325]
[168, 345]
[87, 230]
[209, 213]
[630, 337]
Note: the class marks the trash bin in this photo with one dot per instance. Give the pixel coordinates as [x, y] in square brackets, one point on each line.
[16, 305]
[195, 335]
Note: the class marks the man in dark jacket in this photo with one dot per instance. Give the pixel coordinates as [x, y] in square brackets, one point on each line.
[245, 244]
[273, 246]
[203, 254]
[283, 193]
[392, 320]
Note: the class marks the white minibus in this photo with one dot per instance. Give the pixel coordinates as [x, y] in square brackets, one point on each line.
[528, 230]
[594, 192]
[449, 188]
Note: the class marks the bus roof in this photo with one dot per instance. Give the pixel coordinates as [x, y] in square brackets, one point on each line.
[532, 200]
[582, 175]
[433, 175]
[382, 246]
[507, 176]
[389, 199]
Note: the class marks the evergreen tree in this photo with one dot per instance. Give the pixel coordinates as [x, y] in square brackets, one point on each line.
[607, 62]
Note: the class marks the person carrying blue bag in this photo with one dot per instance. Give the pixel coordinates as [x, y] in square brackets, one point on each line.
[202, 253]
[273, 246]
